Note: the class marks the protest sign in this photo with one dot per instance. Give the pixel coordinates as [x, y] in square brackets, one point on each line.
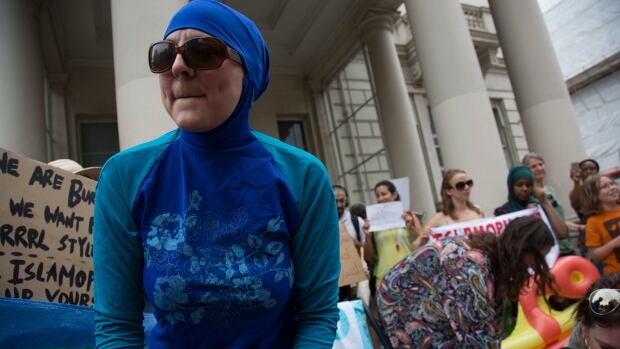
[385, 216]
[46, 221]
[351, 267]
[402, 187]
[496, 225]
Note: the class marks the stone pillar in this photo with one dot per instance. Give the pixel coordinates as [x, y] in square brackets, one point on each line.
[542, 97]
[322, 122]
[57, 123]
[457, 95]
[141, 115]
[22, 103]
[400, 133]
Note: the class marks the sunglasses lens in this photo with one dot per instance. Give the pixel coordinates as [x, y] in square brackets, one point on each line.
[461, 185]
[161, 56]
[604, 301]
[204, 53]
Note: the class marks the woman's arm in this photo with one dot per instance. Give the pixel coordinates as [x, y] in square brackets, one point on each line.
[557, 223]
[117, 260]
[418, 235]
[370, 252]
[316, 257]
[597, 250]
[601, 252]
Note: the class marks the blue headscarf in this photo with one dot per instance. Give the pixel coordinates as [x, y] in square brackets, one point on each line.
[235, 30]
[241, 34]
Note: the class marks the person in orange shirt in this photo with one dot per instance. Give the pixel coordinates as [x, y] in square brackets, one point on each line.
[601, 204]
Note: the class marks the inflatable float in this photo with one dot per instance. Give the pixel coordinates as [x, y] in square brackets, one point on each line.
[539, 326]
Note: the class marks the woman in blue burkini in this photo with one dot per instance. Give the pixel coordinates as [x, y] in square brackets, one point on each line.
[230, 235]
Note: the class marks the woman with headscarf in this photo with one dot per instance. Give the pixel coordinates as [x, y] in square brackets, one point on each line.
[231, 236]
[523, 195]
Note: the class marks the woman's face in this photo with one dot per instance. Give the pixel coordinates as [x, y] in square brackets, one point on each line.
[538, 169]
[199, 100]
[459, 181]
[522, 189]
[608, 192]
[601, 337]
[588, 168]
[383, 194]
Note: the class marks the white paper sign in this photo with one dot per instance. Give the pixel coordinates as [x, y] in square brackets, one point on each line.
[402, 187]
[385, 216]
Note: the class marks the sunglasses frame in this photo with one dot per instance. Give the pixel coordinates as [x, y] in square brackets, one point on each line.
[469, 183]
[617, 298]
[227, 53]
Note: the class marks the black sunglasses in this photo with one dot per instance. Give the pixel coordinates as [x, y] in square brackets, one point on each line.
[604, 301]
[199, 53]
[461, 185]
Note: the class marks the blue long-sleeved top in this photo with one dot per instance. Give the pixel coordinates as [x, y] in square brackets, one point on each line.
[232, 252]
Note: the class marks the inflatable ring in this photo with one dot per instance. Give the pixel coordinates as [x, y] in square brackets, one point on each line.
[573, 276]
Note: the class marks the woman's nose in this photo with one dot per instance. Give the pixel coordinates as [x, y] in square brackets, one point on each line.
[180, 68]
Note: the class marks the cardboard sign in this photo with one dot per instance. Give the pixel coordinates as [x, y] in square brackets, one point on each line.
[351, 267]
[496, 225]
[46, 220]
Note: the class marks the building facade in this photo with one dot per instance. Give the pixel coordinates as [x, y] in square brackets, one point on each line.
[586, 38]
[375, 88]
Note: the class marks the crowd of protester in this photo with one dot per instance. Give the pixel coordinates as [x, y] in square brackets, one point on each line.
[463, 291]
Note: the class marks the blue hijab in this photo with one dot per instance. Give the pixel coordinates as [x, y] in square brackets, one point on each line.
[241, 34]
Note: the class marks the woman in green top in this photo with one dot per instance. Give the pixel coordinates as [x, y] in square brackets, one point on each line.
[384, 249]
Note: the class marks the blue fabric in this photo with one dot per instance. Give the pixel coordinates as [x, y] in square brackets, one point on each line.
[235, 30]
[231, 235]
[29, 324]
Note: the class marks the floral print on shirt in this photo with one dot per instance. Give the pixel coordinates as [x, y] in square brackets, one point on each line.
[441, 296]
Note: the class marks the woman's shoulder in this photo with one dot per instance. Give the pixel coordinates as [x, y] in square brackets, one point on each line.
[436, 220]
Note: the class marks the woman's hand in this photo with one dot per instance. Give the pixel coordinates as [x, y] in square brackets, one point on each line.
[422, 238]
[409, 219]
[575, 174]
[539, 193]
[366, 228]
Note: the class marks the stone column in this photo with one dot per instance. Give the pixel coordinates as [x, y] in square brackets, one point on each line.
[57, 123]
[141, 115]
[400, 133]
[457, 95]
[542, 97]
[322, 121]
[22, 105]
